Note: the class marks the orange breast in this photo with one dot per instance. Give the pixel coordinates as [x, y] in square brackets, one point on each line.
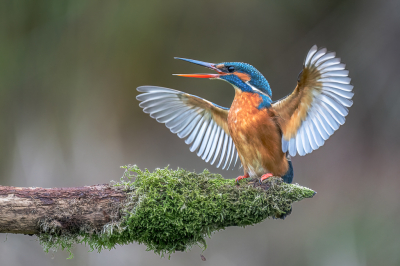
[256, 135]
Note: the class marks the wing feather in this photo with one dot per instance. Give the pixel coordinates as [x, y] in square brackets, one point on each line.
[333, 68]
[292, 146]
[318, 55]
[186, 131]
[223, 152]
[342, 93]
[330, 62]
[154, 96]
[318, 105]
[312, 51]
[194, 133]
[201, 123]
[299, 144]
[211, 138]
[311, 137]
[199, 136]
[228, 153]
[342, 100]
[337, 73]
[170, 116]
[205, 139]
[218, 149]
[325, 58]
[232, 155]
[178, 124]
[214, 148]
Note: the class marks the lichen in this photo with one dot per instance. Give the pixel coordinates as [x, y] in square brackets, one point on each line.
[172, 210]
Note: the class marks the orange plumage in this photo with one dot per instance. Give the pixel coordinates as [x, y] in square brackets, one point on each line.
[257, 136]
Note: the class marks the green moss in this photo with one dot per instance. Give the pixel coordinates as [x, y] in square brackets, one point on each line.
[171, 210]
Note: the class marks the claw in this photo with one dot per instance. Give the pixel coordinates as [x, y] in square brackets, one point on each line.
[265, 176]
[241, 177]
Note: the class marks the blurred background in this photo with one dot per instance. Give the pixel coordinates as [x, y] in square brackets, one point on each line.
[68, 115]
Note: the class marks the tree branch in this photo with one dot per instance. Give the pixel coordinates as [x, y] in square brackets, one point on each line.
[166, 210]
[22, 209]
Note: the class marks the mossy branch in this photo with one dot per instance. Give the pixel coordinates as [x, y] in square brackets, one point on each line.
[166, 210]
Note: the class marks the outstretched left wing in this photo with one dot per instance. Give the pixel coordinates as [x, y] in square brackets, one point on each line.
[317, 106]
[201, 123]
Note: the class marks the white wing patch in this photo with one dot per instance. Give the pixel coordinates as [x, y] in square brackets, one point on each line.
[329, 106]
[192, 123]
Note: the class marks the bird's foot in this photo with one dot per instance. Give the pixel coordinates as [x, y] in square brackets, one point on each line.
[241, 177]
[265, 176]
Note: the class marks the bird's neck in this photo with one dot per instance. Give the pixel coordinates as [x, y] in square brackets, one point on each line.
[265, 98]
[259, 100]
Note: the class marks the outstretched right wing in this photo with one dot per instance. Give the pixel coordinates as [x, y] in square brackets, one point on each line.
[201, 123]
[317, 106]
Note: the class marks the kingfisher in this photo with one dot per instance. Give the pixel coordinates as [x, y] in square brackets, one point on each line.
[262, 133]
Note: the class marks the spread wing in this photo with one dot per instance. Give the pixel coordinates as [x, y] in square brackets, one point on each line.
[317, 106]
[201, 123]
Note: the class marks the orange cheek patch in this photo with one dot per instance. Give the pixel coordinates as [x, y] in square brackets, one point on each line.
[243, 76]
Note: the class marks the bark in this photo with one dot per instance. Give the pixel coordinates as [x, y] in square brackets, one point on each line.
[22, 210]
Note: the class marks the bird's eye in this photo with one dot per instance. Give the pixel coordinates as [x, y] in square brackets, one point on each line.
[231, 69]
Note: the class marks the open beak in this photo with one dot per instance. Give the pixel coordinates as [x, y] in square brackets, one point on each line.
[204, 64]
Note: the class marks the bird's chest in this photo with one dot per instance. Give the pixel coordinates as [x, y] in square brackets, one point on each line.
[255, 133]
[244, 116]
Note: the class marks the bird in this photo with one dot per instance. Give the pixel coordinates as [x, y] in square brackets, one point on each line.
[263, 134]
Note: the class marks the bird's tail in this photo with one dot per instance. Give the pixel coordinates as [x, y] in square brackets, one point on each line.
[288, 177]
